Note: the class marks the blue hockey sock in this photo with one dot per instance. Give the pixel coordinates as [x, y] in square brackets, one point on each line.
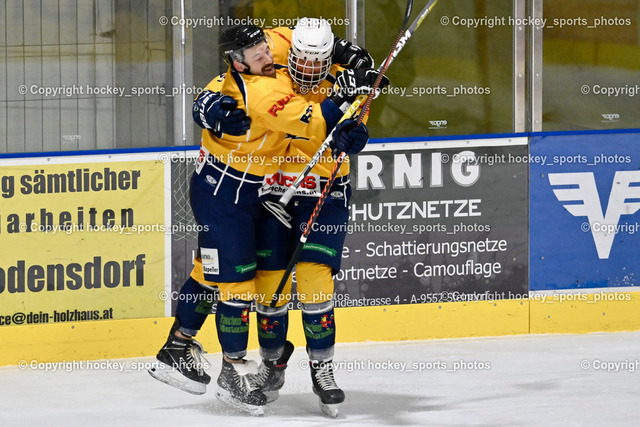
[194, 304]
[272, 330]
[319, 329]
[232, 323]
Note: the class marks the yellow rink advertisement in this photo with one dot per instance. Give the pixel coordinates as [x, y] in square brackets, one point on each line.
[83, 238]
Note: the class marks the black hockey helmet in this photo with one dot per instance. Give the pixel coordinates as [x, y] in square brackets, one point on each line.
[235, 40]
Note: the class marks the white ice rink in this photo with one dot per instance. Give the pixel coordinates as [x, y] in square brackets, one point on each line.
[539, 380]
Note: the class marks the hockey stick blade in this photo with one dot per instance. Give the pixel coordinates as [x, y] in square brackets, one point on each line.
[278, 211]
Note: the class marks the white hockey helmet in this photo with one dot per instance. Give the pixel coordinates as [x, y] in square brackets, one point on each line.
[311, 51]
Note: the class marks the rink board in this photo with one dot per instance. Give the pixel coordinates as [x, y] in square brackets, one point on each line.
[84, 238]
[584, 311]
[584, 210]
[142, 337]
[584, 231]
[418, 204]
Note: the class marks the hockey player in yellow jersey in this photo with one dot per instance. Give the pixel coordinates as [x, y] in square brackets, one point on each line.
[226, 201]
[310, 66]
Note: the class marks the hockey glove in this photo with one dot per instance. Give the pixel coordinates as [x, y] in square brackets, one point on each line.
[218, 113]
[349, 137]
[351, 83]
[349, 55]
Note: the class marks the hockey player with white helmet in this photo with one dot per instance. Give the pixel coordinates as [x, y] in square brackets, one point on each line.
[226, 202]
[310, 55]
[310, 66]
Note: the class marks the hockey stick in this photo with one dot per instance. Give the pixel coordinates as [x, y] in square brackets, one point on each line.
[278, 209]
[401, 40]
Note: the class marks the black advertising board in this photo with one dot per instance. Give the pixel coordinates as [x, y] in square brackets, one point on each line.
[436, 221]
[430, 222]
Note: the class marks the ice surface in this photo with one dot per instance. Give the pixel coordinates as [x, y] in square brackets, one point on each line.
[533, 380]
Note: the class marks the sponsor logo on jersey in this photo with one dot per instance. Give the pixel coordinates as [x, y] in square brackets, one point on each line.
[211, 180]
[202, 158]
[210, 261]
[278, 183]
[306, 117]
[278, 106]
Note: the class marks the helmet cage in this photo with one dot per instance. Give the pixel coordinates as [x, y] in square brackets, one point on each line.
[310, 55]
[307, 73]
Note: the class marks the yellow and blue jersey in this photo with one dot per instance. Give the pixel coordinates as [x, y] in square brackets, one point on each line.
[287, 127]
[275, 110]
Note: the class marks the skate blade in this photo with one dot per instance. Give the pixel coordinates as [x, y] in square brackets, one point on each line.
[224, 396]
[169, 375]
[330, 409]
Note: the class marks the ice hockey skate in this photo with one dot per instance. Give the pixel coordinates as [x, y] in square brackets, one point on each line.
[324, 385]
[237, 386]
[180, 364]
[270, 377]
